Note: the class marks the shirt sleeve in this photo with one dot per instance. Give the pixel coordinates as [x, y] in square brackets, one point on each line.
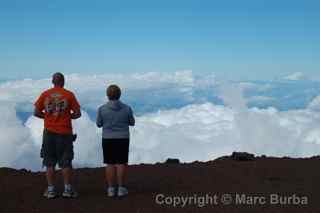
[99, 121]
[75, 106]
[39, 104]
[131, 117]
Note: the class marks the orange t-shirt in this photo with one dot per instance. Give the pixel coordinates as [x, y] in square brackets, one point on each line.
[57, 104]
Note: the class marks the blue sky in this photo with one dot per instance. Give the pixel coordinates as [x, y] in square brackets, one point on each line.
[233, 39]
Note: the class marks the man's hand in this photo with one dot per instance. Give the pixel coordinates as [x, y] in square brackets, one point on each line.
[38, 113]
[76, 114]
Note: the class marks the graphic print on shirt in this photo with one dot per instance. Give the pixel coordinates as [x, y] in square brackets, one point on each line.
[55, 104]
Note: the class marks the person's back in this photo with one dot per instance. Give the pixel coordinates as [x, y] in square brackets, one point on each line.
[115, 118]
[57, 104]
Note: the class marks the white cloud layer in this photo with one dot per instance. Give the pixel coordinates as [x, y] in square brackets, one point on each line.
[17, 148]
[315, 104]
[297, 76]
[91, 89]
[198, 131]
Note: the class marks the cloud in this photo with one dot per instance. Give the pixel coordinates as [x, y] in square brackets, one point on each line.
[156, 90]
[297, 76]
[232, 96]
[195, 132]
[315, 104]
[256, 86]
[153, 91]
[192, 131]
[259, 99]
[16, 145]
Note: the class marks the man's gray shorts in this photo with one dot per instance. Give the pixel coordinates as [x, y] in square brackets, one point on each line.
[57, 148]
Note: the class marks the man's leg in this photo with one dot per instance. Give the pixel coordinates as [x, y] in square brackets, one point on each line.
[67, 175]
[49, 161]
[50, 174]
[65, 156]
[69, 191]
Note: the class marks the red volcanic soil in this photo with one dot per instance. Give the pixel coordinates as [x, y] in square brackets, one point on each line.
[297, 181]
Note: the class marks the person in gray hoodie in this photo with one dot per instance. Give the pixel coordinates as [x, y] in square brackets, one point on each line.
[115, 118]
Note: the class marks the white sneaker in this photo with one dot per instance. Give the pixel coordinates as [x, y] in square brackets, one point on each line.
[122, 191]
[111, 191]
[71, 193]
[49, 194]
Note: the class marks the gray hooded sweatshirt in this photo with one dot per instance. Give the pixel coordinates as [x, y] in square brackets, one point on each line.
[115, 118]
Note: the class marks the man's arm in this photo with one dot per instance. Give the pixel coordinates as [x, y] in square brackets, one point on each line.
[38, 113]
[76, 114]
[75, 107]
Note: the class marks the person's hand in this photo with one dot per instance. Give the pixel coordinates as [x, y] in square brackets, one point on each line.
[74, 137]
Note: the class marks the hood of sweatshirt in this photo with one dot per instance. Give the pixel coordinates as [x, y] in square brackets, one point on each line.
[114, 105]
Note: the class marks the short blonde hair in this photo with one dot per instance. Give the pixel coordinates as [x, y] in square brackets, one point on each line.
[114, 92]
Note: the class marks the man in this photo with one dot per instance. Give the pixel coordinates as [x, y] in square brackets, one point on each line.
[115, 118]
[57, 106]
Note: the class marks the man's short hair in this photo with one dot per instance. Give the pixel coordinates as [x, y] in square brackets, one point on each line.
[113, 92]
[58, 79]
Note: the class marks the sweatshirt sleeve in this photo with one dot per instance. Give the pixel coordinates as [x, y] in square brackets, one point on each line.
[131, 117]
[99, 121]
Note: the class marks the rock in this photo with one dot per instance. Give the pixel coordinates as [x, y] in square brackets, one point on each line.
[242, 156]
[172, 161]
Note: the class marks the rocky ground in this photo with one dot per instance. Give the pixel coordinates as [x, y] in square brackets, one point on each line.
[224, 185]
